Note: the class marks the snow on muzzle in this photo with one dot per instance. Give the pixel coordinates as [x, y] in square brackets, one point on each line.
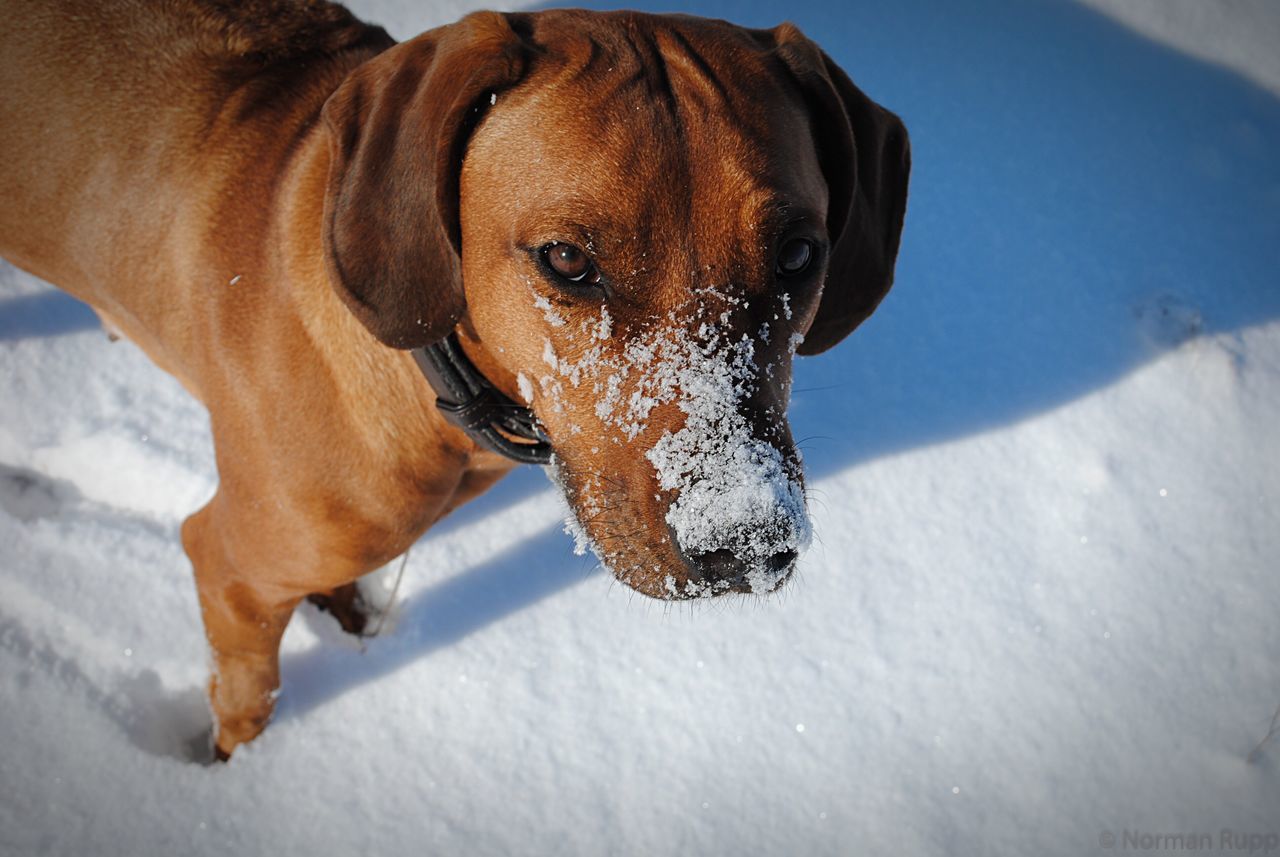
[738, 514]
[732, 495]
[739, 519]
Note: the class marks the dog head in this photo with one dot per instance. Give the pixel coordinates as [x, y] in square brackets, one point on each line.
[638, 220]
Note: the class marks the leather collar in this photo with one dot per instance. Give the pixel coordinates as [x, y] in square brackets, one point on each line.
[469, 401]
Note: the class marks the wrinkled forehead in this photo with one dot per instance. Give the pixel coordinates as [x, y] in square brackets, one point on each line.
[662, 124]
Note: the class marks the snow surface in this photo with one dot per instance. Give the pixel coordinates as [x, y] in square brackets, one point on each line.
[1042, 606]
[1243, 35]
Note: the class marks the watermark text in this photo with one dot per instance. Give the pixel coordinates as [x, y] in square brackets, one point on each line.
[1225, 841]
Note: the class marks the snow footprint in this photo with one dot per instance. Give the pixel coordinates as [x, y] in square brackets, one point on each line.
[27, 494]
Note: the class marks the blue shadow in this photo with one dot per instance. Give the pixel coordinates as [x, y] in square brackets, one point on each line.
[44, 314]
[437, 617]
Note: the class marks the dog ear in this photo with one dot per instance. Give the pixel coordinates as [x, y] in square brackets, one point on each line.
[398, 127]
[866, 158]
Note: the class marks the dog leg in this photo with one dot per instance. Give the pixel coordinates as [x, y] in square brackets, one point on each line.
[244, 622]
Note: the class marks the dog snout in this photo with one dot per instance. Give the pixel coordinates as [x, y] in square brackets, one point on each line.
[724, 570]
[756, 557]
[736, 514]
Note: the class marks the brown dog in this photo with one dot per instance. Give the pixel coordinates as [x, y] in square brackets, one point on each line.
[628, 221]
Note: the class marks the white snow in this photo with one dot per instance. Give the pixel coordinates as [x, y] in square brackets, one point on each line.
[1242, 35]
[1039, 615]
[548, 311]
[526, 387]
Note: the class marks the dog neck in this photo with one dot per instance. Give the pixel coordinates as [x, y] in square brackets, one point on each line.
[469, 385]
[470, 402]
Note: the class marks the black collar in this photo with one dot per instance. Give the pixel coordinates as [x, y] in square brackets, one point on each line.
[470, 402]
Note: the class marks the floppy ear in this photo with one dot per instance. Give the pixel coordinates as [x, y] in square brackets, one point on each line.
[398, 128]
[866, 159]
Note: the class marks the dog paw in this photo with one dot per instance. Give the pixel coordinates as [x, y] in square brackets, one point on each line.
[356, 607]
[201, 748]
[347, 605]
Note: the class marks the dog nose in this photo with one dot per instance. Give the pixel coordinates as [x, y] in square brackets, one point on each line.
[723, 570]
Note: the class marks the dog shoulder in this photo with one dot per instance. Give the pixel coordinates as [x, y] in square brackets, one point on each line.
[277, 30]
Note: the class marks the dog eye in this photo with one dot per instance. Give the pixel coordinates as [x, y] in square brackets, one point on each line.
[794, 257]
[571, 263]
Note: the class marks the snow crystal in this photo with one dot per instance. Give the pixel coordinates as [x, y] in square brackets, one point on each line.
[549, 313]
[581, 541]
[605, 326]
[526, 387]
